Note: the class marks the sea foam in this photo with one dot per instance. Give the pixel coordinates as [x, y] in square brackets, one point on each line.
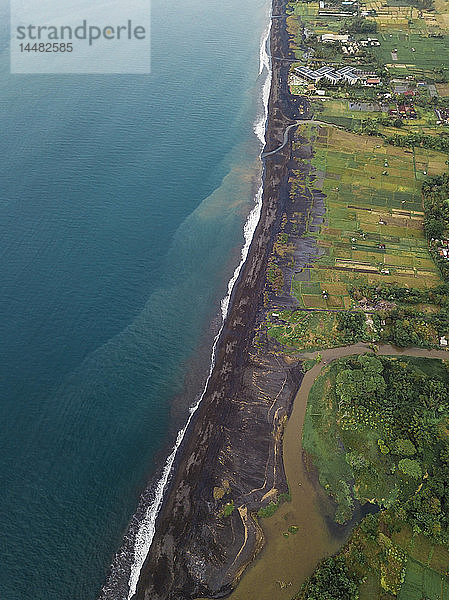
[146, 530]
[143, 526]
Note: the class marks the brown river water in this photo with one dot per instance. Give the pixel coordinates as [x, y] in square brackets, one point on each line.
[285, 562]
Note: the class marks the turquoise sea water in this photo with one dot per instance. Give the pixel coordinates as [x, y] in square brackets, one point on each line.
[122, 203]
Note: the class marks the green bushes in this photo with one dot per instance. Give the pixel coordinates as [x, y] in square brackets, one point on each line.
[404, 447]
[330, 581]
[271, 508]
[410, 467]
[352, 324]
[421, 140]
[353, 384]
[228, 509]
[374, 428]
[359, 25]
[402, 324]
[436, 223]
[395, 293]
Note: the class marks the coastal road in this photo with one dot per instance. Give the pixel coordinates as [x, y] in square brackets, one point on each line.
[287, 131]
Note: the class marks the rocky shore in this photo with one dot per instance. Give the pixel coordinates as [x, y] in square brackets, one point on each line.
[230, 463]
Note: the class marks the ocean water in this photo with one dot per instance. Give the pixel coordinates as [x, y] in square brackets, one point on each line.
[122, 206]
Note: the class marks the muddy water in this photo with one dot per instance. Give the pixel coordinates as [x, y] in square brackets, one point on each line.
[289, 561]
[285, 563]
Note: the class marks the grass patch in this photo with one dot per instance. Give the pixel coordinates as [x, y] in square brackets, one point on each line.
[228, 509]
[268, 511]
[422, 582]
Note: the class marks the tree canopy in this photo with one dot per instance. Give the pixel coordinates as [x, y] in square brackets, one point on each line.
[331, 581]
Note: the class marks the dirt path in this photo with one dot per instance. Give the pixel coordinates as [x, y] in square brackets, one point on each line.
[285, 563]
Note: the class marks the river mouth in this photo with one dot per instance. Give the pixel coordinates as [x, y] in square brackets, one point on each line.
[286, 562]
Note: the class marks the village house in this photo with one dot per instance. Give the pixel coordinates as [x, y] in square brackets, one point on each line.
[334, 78]
[370, 42]
[407, 111]
[442, 114]
[403, 111]
[349, 74]
[441, 247]
[399, 86]
[307, 74]
[372, 81]
[346, 8]
[324, 70]
[350, 48]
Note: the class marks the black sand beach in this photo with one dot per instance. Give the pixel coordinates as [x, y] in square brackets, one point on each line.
[232, 452]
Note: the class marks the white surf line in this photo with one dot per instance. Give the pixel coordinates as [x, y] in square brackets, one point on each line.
[147, 527]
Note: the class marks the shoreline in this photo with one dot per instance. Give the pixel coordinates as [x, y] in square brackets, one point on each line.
[165, 573]
[123, 563]
[147, 526]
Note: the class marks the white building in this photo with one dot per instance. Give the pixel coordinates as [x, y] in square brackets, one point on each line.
[334, 37]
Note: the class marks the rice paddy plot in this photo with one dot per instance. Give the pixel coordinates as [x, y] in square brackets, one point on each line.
[421, 581]
[413, 49]
[373, 227]
[316, 294]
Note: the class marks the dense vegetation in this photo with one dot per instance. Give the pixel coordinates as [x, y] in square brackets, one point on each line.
[436, 224]
[406, 327]
[396, 293]
[366, 450]
[422, 4]
[402, 322]
[402, 326]
[419, 319]
[422, 140]
[332, 580]
[358, 25]
[351, 325]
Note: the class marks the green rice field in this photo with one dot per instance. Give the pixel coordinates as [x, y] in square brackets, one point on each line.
[372, 230]
[420, 581]
[413, 50]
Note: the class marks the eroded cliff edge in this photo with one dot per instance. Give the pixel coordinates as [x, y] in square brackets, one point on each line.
[232, 454]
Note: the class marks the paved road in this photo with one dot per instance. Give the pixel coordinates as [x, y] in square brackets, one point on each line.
[300, 122]
[286, 132]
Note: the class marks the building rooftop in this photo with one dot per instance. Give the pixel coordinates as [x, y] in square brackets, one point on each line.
[324, 70]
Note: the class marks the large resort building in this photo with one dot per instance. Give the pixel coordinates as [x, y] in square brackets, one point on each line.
[344, 75]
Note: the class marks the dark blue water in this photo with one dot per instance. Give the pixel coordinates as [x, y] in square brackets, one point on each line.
[122, 202]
